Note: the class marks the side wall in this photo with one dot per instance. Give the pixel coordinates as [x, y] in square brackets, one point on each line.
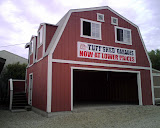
[40, 52]
[50, 30]
[61, 85]
[39, 92]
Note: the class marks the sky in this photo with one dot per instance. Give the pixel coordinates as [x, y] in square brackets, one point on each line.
[20, 19]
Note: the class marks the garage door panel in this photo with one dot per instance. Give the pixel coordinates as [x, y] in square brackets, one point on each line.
[105, 86]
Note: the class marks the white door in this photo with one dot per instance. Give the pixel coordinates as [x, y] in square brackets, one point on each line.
[30, 89]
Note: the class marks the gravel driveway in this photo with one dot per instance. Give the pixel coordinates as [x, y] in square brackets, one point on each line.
[117, 116]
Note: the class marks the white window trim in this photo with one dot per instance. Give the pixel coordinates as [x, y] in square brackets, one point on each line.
[38, 38]
[99, 19]
[90, 37]
[121, 41]
[31, 48]
[112, 18]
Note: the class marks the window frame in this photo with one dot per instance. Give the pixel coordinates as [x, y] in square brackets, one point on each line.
[122, 42]
[31, 47]
[102, 16]
[90, 37]
[40, 33]
[112, 18]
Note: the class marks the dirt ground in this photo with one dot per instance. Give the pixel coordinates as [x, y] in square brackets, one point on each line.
[113, 116]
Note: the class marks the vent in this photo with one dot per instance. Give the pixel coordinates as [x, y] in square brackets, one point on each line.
[100, 17]
[114, 21]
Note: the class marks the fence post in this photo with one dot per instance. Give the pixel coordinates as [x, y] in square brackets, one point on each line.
[11, 94]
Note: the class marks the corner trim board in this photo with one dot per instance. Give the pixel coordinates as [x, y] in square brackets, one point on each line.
[152, 87]
[49, 84]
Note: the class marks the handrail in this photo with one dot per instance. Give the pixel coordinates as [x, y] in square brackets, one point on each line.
[11, 93]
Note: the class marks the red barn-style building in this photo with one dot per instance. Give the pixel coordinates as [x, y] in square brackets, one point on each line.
[90, 55]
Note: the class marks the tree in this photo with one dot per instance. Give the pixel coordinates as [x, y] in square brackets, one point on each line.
[14, 71]
[155, 58]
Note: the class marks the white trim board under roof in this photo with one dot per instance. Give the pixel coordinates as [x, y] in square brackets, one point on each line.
[63, 22]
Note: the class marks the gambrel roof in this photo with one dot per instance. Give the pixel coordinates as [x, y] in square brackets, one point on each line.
[63, 22]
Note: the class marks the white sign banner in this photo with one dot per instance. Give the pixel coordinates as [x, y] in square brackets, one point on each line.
[103, 52]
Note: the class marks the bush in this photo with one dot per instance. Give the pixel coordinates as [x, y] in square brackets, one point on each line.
[14, 71]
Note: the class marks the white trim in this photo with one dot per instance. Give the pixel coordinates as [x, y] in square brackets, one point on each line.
[34, 49]
[17, 80]
[39, 45]
[99, 69]
[157, 98]
[98, 64]
[157, 71]
[122, 42]
[112, 18]
[156, 86]
[156, 74]
[71, 88]
[26, 81]
[90, 37]
[11, 84]
[11, 94]
[29, 91]
[98, 17]
[39, 59]
[30, 65]
[139, 88]
[49, 84]
[31, 47]
[38, 40]
[152, 87]
[44, 40]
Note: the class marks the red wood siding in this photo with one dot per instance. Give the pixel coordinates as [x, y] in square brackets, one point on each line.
[18, 86]
[40, 52]
[67, 46]
[31, 59]
[50, 30]
[39, 95]
[61, 85]
[146, 87]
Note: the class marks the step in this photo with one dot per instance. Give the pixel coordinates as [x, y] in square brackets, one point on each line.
[19, 95]
[19, 98]
[18, 107]
[20, 101]
[18, 110]
[19, 104]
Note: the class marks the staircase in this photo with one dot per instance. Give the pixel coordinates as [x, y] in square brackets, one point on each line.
[19, 101]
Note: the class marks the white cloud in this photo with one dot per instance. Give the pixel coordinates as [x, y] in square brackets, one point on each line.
[23, 18]
[38, 10]
[80, 3]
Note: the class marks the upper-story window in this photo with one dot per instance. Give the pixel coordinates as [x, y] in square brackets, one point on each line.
[90, 29]
[123, 35]
[31, 47]
[100, 17]
[114, 20]
[40, 36]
